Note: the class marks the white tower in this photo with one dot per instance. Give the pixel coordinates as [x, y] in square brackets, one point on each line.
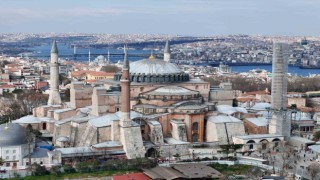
[89, 56]
[281, 121]
[166, 52]
[108, 57]
[54, 96]
[74, 49]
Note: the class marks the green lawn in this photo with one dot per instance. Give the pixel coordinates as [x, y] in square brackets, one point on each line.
[225, 169]
[76, 175]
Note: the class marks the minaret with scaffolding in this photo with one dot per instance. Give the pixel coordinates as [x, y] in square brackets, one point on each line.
[281, 118]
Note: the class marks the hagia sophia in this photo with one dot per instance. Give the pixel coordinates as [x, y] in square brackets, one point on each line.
[150, 108]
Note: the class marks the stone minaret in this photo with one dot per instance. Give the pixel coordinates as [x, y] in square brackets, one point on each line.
[280, 122]
[166, 52]
[125, 120]
[130, 132]
[54, 96]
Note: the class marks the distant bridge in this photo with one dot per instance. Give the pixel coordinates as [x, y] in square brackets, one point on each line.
[81, 55]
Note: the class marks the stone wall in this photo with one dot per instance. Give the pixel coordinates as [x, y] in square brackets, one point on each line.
[104, 134]
[61, 130]
[64, 114]
[300, 102]
[179, 131]
[80, 95]
[251, 128]
[218, 131]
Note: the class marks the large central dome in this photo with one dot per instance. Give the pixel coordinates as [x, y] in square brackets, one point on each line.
[153, 66]
[154, 70]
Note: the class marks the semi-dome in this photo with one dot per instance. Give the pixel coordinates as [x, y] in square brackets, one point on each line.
[153, 66]
[12, 134]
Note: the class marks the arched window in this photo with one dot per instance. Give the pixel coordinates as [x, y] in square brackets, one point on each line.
[195, 137]
[251, 144]
[276, 142]
[195, 126]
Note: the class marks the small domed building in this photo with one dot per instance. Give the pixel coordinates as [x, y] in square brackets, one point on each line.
[13, 144]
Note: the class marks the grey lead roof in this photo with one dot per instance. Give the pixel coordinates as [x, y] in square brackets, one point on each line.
[153, 66]
[12, 134]
[54, 48]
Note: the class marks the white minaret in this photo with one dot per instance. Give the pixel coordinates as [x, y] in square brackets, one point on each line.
[166, 52]
[108, 57]
[89, 56]
[54, 96]
[74, 49]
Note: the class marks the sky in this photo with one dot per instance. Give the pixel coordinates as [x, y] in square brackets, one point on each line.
[175, 17]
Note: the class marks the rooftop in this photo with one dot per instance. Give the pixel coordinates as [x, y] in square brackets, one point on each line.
[258, 136]
[224, 119]
[227, 109]
[160, 172]
[171, 90]
[259, 121]
[174, 141]
[153, 66]
[197, 170]
[107, 144]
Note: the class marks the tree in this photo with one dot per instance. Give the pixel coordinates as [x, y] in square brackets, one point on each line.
[110, 68]
[230, 148]
[316, 136]
[21, 104]
[1, 161]
[39, 170]
[286, 157]
[68, 168]
[63, 79]
[254, 173]
[30, 140]
[56, 170]
[314, 170]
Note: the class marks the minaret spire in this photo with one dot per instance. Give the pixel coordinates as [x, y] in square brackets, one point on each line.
[108, 56]
[74, 50]
[54, 96]
[125, 59]
[54, 48]
[166, 52]
[89, 56]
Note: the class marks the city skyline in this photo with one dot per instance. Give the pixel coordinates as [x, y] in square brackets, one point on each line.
[183, 17]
